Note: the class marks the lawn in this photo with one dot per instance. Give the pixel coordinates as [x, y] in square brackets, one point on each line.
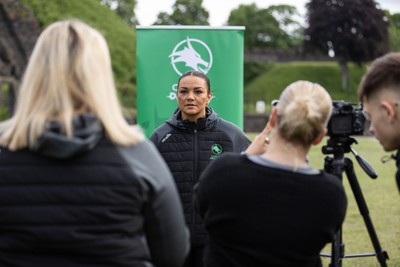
[270, 84]
[383, 201]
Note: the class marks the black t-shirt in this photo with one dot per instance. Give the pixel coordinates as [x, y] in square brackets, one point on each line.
[267, 216]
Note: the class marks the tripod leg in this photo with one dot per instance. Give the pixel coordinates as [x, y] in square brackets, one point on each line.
[337, 250]
[381, 255]
[336, 167]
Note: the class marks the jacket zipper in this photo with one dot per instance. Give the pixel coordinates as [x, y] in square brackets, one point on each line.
[194, 177]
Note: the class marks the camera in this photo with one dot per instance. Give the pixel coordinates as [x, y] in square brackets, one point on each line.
[347, 119]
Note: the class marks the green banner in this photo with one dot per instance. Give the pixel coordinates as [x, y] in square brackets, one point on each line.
[164, 53]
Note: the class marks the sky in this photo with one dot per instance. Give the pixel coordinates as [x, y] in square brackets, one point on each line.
[147, 10]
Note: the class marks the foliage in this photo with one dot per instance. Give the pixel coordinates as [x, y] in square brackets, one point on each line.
[120, 38]
[164, 18]
[269, 85]
[349, 30]
[285, 15]
[124, 8]
[4, 99]
[263, 29]
[394, 31]
[253, 69]
[354, 30]
[185, 12]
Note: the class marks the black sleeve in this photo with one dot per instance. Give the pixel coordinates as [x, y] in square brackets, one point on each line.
[159, 134]
[154, 138]
[239, 139]
[337, 199]
[245, 142]
[165, 227]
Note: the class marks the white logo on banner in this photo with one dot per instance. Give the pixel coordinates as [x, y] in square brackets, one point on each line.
[186, 57]
[199, 60]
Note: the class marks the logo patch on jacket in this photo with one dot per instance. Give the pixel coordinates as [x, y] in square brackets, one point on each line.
[216, 149]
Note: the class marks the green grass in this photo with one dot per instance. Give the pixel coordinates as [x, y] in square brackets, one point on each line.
[270, 84]
[120, 37]
[3, 102]
[383, 201]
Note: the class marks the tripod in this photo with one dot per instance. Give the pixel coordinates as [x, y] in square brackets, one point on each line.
[336, 165]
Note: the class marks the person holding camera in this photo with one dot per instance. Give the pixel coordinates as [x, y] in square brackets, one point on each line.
[379, 92]
[79, 186]
[268, 207]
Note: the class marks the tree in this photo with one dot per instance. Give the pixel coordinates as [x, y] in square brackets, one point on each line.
[285, 14]
[264, 27]
[394, 30]
[348, 30]
[124, 8]
[185, 12]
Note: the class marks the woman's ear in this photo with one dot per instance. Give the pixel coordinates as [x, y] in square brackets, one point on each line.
[210, 96]
[319, 138]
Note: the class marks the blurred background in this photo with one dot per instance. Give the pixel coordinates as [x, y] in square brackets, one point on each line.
[329, 42]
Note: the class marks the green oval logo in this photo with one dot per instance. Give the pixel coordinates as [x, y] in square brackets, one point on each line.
[216, 149]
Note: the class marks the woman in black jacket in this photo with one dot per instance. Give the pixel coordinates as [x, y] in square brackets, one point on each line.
[78, 185]
[192, 137]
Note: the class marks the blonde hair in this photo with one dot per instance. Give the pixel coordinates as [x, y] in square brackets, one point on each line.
[69, 73]
[303, 112]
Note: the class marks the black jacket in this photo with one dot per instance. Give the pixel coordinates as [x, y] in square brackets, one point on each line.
[398, 168]
[188, 148]
[267, 215]
[84, 201]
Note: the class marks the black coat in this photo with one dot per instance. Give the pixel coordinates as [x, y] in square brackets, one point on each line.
[267, 214]
[398, 168]
[84, 201]
[188, 148]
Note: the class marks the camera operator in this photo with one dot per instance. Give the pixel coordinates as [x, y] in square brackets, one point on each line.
[379, 92]
[268, 207]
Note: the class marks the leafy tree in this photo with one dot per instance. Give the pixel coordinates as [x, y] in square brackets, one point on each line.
[349, 30]
[285, 15]
[263, 29]
[164, 18]
[394, 31]
[124, 8]
[185, 12]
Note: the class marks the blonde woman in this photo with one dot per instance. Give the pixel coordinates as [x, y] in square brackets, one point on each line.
[78, 185]
[268, 207]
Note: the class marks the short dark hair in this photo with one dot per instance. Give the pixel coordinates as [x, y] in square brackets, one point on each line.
[197, 74]
[383, 72]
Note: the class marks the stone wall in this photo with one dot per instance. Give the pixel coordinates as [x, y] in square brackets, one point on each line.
[19, 31]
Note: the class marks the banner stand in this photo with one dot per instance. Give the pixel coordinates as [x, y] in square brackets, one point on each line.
[164, 53]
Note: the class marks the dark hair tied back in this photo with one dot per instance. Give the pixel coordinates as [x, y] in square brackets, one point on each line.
[197, 74]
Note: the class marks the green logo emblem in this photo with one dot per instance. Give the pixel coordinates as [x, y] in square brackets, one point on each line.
[216, 149]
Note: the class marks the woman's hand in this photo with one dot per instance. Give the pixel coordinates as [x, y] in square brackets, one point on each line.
[260, 142]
